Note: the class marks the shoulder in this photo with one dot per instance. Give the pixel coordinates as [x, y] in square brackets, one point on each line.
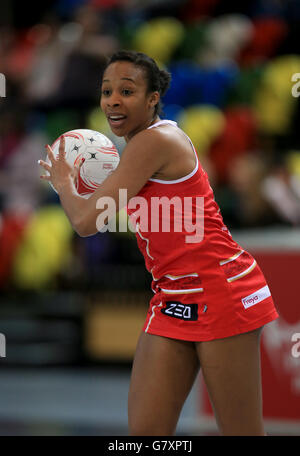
[152, 152]
[147, 152]
[159, 140]
[158, 135]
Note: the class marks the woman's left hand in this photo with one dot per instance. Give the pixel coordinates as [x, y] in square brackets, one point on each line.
[60, 172]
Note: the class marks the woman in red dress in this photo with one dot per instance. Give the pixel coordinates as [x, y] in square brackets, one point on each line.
[211, 299]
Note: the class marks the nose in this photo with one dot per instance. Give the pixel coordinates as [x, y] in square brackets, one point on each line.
[113, 105]
[113, 100]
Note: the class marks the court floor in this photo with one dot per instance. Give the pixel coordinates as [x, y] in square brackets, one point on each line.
[86, 402]
[71, 401]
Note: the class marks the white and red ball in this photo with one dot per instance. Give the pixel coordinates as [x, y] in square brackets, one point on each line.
[100, 155]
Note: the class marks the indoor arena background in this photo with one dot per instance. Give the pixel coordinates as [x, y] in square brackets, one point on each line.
[71, 308]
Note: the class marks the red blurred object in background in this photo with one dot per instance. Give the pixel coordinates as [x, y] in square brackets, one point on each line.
[193, 10]
[237, 138]
[268, 33]
[11, 235]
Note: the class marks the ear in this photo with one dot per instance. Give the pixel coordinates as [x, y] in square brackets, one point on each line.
[154, 99]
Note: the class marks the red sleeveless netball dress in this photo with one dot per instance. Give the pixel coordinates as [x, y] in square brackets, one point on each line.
[206, 286]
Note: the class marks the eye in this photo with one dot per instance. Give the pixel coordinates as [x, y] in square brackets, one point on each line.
[126, 92]
[105, 92]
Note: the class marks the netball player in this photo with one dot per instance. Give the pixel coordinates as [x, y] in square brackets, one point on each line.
[211, 299]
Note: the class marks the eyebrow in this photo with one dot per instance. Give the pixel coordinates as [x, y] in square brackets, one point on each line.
[125, 79]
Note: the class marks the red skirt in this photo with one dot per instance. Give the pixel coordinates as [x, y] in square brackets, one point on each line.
[232, 299]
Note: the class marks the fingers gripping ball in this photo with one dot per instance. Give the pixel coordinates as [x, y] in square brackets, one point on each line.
[92, 155]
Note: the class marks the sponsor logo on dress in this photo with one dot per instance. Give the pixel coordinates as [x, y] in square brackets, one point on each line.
[187, 312]
[256, 297]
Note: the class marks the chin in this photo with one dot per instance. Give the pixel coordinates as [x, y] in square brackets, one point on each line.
[119, 133]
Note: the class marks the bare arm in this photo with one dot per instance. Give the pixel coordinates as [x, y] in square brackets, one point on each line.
[144, 155]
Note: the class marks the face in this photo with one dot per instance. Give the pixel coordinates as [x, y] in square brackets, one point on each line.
[124, 99]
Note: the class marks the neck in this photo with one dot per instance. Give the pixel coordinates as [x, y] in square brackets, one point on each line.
[155, 119]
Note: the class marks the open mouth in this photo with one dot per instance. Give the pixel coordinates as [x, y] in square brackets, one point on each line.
[116, 120]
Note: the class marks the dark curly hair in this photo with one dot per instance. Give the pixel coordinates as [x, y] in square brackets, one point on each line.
[158, 80]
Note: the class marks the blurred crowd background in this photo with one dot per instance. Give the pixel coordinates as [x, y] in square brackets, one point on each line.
[234, 92]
